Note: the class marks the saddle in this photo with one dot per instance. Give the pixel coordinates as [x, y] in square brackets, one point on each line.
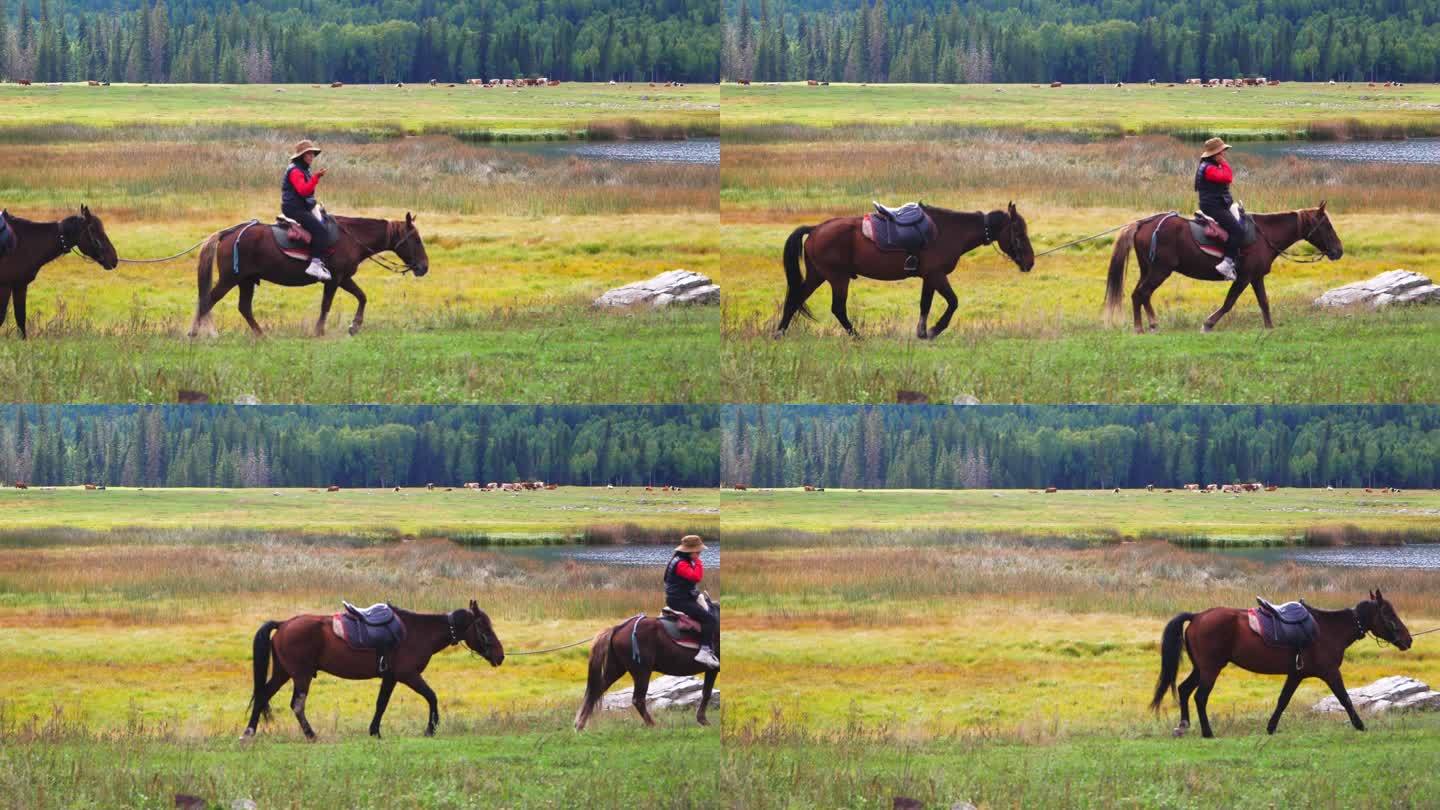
[294, 241]
[682, 629]
[1211, 238]
[1289, 626]
[907, 228]
[375, 628]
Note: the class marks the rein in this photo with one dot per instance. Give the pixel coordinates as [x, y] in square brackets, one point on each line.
[1314, 226]
[374, 256]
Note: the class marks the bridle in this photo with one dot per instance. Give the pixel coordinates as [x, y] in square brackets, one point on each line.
[1362, 631]
[67, 246]
[457, 635]
[390, 245]
[1299, 223]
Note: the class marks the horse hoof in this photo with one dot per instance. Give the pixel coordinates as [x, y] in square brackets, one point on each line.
[354, 329]
[1154, 327]
[1207, 327]
[247, 735]
[702, 721]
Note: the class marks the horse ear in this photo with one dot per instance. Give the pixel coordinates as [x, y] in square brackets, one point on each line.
[1322, 206]
[85, 211]
[409, 218]
[474, 608]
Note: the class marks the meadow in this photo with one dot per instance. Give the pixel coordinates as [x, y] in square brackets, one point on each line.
[1293, 109]
[1019, 675]
[566, 513]
[126, 658]
[791, 517]
[1043, 336]
[520, 239]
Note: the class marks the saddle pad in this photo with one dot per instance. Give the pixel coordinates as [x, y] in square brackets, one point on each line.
[892, 236]
[1211, 238]
[1277, 633]
[362, 636]
[684, 638]
[684, 622]
[292, 239]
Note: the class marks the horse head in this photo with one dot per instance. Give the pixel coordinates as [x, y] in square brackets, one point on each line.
[411, 248]
[1317, 229]
[479, 634]
[1385, 623]
[1014, 239]
[86, 233]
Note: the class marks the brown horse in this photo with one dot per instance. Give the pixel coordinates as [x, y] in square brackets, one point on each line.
[39, 243]
[640, 646]
[260, 259]
[837, 251]
[305, 645]
[1175, 251]
[1220, 636]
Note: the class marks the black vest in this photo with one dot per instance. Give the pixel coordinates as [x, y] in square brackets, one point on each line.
[289, 197]
[1211, 194]
[676, 586]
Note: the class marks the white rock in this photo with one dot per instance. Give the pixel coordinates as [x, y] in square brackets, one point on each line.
[670, 287]
[1390, 287]
[1391, 693]
[664, 692]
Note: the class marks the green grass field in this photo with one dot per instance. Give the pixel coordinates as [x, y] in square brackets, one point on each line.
[764, 518]
[520, 238]
[1043, 336]
[381, 513]
[128, 616]
[1290, 110]
[570, 110]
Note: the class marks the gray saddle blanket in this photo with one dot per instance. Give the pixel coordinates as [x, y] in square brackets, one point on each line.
[1208, 234]
[906, 228]
[1289, 625]
[374, 628]
[289, 235]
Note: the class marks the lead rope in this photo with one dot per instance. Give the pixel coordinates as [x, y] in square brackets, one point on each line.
[1078, 241]
[184, 252]
[551, 649]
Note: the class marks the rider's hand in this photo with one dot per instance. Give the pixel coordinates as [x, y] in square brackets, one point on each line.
[319, 174]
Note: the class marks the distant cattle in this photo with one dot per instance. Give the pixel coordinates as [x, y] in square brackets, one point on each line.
[24, 82]
[812, 83]
[1051, 490]
[1056, 84]
[473, 485]
[21, 485]
[90, 487]
[553, 83]
[740, 487]
[430, 487]
[1192, 487]
[809, 488]
[1149, 487]
[744, 82]
[332, 488]
[337, 84]
[93, 83]
[1271, 488]
[551, 486]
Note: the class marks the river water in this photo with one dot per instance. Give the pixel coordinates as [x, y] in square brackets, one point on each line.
[694, 150]
[628, 555]
[1413, 151]
[1425, 557]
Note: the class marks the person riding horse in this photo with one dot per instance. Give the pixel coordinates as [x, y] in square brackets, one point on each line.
[682, 593]
[1212, 181]
[297, 201]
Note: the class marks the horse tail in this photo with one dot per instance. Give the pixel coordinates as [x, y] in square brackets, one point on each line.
[595, 681]
[262, 667]
[793, 279]
[1119, 262]
[1172, 640]
[205, 268]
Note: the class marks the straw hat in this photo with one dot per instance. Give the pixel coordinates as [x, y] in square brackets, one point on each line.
[1213, 147]
[691, 543]
[303, 147]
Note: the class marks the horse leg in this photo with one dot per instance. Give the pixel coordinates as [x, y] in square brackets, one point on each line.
[807, 289]
[1202, 700]
[1337, 685]
[952, 302]
[387, 686]
[348, 285]
[1236, 287]
[247, 297]
[927, 295]
[20, 308]
[642, 685]
[277, 680]
[423, 689]
[1187, 687]
[705, 697]
[1263, 300]
[297, 703]
[325, 301]
[839, 289]
[1291, 681]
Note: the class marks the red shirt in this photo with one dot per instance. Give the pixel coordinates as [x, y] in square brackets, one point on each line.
[305, 187]
[691, 570]
[1219, 173]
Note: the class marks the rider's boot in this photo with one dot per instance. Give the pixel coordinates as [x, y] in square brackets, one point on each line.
[317, 270]
[707, 657]
[1227, 268]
